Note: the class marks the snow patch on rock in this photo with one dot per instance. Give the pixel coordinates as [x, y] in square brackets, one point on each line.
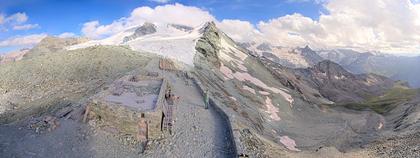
[339, 77]
[236, 52]
[288, 98]
[272, 110]
[264, 93]
[289, 143]
[249, 89]
[228, 74]
[380, 125]
[247, 77]
[231, 54]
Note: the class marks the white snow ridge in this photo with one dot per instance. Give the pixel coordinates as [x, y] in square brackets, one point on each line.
[169, 41]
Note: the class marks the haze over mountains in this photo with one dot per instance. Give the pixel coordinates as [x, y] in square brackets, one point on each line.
[396, 67]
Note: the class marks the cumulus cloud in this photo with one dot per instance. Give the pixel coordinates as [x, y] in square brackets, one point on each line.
[160, 1]
[302, 1]
[16, 22]
[170, 13]
[18, 18]
[25, 27]
[1, 19]
[94, 30]
[241, 31]
[385, 25]
[67, 35]
[28, 40]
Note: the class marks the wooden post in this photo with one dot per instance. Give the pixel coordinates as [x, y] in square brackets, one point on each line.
[86, 115]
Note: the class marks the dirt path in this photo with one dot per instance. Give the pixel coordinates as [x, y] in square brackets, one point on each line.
[197, 132]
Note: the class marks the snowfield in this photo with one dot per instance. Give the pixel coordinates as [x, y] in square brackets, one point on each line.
[168, 41]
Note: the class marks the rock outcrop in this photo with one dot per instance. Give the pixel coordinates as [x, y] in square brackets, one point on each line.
[341, 86]
[145, 29]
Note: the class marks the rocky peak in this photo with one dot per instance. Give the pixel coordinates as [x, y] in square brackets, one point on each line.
[331, 68]
[209, 27]
[181, 27]
[13, 56]
[209, 44]
[265, 47]
[310, 55]
[307, 48]
[52, 41]
[145, 29]
[51, 44]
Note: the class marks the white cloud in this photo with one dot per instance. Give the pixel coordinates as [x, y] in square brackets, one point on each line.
[160, 1]
[1, 19]
[170, 13]
[391, 26]
[297, 1]
[384, 25]
[16, 22]
[28, 40]
[18, 18]
[25, 27]
[301, 1]
[67, 35]
[241, 31]
[94, 30]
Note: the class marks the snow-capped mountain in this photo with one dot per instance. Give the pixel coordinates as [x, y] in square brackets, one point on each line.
[286, 56]
[169, 40]
[396, 67]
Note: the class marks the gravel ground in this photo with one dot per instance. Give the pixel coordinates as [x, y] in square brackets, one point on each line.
[407, 146]
[197, 133]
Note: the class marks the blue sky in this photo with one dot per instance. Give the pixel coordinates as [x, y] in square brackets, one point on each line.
[58, 16]
[359, 24]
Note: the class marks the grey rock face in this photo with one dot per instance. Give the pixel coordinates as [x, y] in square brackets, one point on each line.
[182, 27]
[395, 67]
[145, 29]
[310, 55]
[341, 86]
[264, 47]
[52, 44]
[208, 46]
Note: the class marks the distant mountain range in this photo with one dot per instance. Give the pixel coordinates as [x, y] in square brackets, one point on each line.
[396, 67]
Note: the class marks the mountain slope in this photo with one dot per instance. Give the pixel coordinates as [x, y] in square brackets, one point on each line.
[290, 57]
[13, 56]
[52, 80]
[271, 103]
[395, 67]
[52, 44]
[341, 86]
[168, 40]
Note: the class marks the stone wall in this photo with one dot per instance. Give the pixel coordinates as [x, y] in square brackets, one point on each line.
[167, 64]
[233, 132]
[125, 119]
[120, 117]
